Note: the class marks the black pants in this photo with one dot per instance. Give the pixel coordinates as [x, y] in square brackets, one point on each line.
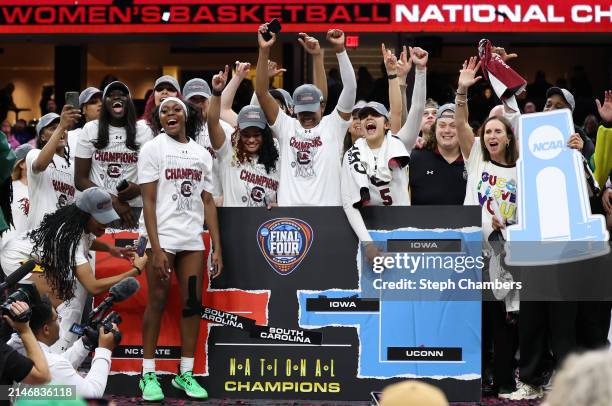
[593, 324]
[503, 336]
[545, 327]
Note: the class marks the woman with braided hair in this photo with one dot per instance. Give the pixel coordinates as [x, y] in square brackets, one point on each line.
[60, 245]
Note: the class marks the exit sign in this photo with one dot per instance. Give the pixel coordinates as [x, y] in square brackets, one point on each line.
[352, 41]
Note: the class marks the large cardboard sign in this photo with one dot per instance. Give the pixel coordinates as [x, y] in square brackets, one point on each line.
[295, 273]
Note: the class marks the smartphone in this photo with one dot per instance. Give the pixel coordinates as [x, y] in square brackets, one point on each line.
[141, 246]
[273, 26]
[72, 98]
[122, 185]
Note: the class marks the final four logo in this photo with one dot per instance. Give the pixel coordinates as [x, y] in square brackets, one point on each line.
[284, 243]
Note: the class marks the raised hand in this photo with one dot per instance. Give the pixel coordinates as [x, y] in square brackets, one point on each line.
[336, 39]
[310, 44]
[420, 57]
[274, 70]
[605, 109]
[467, 75]
[220, 79]
[502, 53]
[69, 117]
[263, 44]
[404, 64]
[242, 69]
[390, 60]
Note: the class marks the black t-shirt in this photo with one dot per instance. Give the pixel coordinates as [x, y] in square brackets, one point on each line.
[435, 181]
[14, 367]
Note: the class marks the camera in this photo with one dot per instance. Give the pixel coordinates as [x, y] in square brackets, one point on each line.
[90, 332]
[26, 292]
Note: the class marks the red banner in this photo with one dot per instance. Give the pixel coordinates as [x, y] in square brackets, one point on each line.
[128, 356]
[201, 16]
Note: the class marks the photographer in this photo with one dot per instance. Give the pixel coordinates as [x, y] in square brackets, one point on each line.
[15, 367]
[45, 326]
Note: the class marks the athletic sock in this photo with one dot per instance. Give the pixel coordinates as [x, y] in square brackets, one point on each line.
[186, 364]
[148, 365]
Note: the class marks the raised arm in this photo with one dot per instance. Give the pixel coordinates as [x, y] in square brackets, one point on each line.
[266, 101]
[467, 78]
[227, 97]
[411, 128]
[215, 131]
[273, 70]
[312, 47]
[395, 96]
[346, 101]
[403, 68]
[69, 117]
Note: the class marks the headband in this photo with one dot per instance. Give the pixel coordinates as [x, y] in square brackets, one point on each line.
[174, 99]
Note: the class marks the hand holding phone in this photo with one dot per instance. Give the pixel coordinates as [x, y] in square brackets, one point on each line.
[273, 26]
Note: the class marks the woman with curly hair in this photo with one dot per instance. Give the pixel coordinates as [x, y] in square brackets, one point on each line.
[107, 153]
[60, 246]
[247, 158]
[175, 174]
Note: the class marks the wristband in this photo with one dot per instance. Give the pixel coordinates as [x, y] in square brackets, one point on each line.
[216, 93]
[391, 77]
[137, 269]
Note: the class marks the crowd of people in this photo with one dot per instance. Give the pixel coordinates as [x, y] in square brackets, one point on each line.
[97, 166]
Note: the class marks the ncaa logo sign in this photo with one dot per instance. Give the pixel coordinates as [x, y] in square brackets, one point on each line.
[284, 243]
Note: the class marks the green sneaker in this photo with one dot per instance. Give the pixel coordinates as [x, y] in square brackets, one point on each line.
[187, 383]
[149, 385]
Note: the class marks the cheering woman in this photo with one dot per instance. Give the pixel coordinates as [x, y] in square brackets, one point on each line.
[175, 173]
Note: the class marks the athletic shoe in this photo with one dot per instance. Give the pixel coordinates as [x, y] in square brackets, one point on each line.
[149, 385]
[505, 393]
[187, 383]
[526, 392]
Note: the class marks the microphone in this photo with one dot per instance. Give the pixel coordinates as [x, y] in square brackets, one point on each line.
[18, 275]
[117, 293]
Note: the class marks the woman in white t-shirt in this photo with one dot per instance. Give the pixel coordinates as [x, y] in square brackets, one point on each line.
[50, 173]
[247, 158]
[374, 169]
[165, 86]
[107, 153]
[175, 173]
[20, 204]
[60, 245]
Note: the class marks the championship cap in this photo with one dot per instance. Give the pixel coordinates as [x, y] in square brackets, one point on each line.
[115, 85]
[307, 98]
[358, 106]
[21, 152]
[98, 203]
[376, 107]
[564, 93]
[87, 94]
[196, 87]
[45, 121]
[168, 79]
[251, 116]
[446, 110]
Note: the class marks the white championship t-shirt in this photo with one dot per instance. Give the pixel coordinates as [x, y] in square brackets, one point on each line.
[204, 140]
[19, 249]
[182, 172]
[20, 208]
[73, 137]
[309, 166]
[116, 162]
[50, 189]
[392, 193]
[247, 184]
[489, 180]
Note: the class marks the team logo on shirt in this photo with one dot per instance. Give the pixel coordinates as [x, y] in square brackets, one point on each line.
[186, 188]
[305, 149]
[113, 170]
[24, 205]
[257, 194]
[284, 243]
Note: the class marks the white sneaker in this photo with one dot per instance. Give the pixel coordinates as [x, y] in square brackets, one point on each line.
[526, 392]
